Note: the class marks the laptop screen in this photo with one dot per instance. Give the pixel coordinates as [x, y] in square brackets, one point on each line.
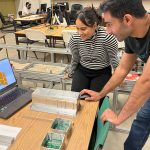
[7, 77]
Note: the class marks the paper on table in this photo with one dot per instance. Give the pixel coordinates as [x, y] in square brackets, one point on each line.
[9, 131]
[8, 134]
[2, 147]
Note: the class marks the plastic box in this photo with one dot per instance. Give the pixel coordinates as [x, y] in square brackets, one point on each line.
[53, 141]
[62, 126]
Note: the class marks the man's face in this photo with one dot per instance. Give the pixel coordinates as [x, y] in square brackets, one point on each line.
[84, 31]
[29, 6]
[119, 28]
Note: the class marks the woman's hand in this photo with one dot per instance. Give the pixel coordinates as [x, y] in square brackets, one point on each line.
[66, 76]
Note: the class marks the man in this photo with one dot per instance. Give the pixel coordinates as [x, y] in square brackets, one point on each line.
[128, 20]
[26, 9]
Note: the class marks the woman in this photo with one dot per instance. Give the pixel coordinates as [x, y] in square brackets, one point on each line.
[93, 53]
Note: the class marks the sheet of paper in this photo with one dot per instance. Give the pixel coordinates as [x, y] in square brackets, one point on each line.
[8, 134]
[2, 147]
[9, 131]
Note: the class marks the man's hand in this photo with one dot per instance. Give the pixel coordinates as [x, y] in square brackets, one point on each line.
[94, 96]
[109, 115]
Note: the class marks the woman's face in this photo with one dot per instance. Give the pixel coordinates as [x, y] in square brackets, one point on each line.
[85, 31]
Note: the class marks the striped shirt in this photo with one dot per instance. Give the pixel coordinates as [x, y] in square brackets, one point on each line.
[96, 53]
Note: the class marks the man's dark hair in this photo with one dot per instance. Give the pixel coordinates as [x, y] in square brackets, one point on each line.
[27, 3]
[118, 8]
[89, 16]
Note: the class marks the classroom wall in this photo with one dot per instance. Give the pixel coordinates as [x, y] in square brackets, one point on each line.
[96, 3]
[21, 3]
[13, 6]
[85, 3]
[35, 4]
[7, 7]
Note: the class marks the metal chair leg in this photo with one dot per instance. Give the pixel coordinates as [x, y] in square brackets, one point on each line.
[6, 48]
[19, 54]
[35, 55]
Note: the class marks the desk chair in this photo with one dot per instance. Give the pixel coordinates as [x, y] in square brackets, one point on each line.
[102, 129]
[67, 34]
[39, 39]
[20, 13]
[73, 13]
[22, 40]
[3, 37]
[20, 26]
[6, 23]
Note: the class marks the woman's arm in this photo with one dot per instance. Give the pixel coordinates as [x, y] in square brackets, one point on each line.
[111, 46]
[74, 48]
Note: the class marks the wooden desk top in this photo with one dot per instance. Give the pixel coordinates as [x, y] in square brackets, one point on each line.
[55, 32]
[35, 126]
[30, 18]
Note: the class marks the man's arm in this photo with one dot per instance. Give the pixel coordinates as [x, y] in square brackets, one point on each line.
[137, 98]
[120, 73]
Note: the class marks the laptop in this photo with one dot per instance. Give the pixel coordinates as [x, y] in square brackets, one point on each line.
[12, 97]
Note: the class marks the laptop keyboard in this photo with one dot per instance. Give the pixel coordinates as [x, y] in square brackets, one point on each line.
[6, 99]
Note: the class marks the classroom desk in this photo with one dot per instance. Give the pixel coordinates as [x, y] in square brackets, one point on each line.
[29, 21]
[35, 126]
[45, 28]
[51, 34]
[30, 18]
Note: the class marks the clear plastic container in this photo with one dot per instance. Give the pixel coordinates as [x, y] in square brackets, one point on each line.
[53, 141]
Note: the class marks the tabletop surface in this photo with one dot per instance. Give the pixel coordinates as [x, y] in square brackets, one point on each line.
[54, 30]
[30, 18]
[35, 125]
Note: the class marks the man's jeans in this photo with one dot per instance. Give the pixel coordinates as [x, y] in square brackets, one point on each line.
[140, 129]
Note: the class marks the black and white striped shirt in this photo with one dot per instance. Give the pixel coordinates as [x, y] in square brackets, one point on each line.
[96, 53]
